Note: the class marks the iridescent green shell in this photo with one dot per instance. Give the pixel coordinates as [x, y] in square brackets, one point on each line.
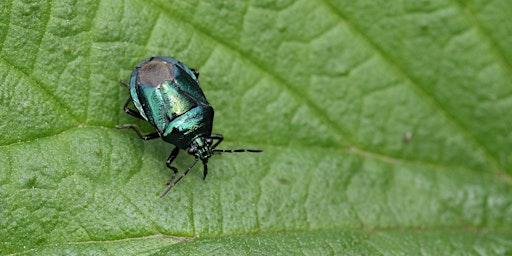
[167, 94]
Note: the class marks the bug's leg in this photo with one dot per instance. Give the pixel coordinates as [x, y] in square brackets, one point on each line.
[169, 187]
[137, 130]
[218, 137]
[205, 169]
[169, 161]
[196, 72]
[136, 114]
[123, 83]
[130, 111]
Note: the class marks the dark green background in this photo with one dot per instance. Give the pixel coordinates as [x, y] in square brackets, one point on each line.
[329, 89]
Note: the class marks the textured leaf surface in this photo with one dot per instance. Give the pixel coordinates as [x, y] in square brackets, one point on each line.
[385, 125]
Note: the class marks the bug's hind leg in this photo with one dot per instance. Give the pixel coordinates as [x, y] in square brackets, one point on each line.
[137, 130]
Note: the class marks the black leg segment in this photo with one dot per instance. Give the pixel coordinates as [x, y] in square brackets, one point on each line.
[130, 111]
[205, 169]
[169, 161]
[137, 130]
[196, 72]
[218, 137]
[123, 83]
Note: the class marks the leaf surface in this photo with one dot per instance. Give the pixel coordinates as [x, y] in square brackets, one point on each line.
[385, 128]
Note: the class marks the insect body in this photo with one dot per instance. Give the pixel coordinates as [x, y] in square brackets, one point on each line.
[166, 93]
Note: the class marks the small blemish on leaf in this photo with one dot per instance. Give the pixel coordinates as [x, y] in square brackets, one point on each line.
[407, 137]
[282, 181]
[31, 182]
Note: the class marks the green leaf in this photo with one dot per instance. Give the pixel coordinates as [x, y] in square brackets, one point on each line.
[385, 127]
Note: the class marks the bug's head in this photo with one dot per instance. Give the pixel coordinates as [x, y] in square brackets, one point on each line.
[201, 148]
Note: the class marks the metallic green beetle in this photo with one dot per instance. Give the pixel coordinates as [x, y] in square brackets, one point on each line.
[167, 94]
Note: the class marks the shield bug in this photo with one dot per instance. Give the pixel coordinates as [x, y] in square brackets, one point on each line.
[166, 93]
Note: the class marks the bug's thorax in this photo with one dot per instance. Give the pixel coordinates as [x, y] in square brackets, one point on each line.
[200, 147]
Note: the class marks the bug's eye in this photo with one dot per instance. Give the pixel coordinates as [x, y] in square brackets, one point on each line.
[191, 151]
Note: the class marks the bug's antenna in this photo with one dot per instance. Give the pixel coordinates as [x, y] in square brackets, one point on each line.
[171, 184]
[236, 150]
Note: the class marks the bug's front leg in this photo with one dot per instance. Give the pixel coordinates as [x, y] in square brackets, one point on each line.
[169, 161]
[218, 137]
